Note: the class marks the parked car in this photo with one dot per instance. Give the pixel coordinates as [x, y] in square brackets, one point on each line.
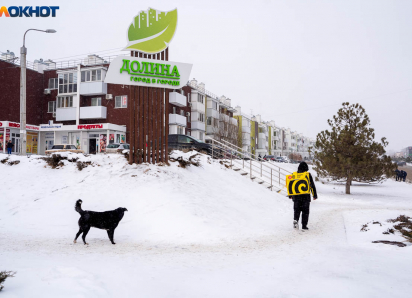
[64, 148]
[180, 142]
[269, 157]
[279, 159]
[116, 147]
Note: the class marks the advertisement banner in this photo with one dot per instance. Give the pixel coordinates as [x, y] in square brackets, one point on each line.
[31, 142]
[102, 143]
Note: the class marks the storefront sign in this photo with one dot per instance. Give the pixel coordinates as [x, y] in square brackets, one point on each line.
[148, 72]
[31, 127]
[52, 126]
[14, 124]
[151, 31]
[90, 126]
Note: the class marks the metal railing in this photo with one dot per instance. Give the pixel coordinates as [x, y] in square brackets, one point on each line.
[264, 171]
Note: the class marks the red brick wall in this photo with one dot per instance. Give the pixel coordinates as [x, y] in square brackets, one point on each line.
[10, 94]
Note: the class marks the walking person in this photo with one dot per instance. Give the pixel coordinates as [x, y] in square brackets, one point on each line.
[301, 203]
[404, 176]
[10, 146]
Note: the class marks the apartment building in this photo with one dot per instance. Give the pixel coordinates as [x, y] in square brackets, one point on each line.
[67, 103]
[246, 132]
[211, 117]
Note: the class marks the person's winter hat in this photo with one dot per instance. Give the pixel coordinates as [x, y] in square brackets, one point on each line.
[303, 167]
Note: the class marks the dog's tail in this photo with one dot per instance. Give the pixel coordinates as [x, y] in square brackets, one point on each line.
[78, 206]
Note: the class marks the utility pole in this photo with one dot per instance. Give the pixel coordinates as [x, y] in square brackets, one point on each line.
[23, 53]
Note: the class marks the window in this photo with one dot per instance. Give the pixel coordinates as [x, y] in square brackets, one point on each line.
[58, 147]
[185, 140]
[96, 101]
[51, 107]
[68, 82]
[214, 105]
[53, 83]
[200, 98]
[121, 101]
[180, 130]
[209, 120]
[91, 75]
[65, 101]
[113, 146]
[201, 117]
[201, 136]
[174, 110]
[188, 97]
[182, 113]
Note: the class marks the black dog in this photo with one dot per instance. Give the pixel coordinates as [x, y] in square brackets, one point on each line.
[107, 220]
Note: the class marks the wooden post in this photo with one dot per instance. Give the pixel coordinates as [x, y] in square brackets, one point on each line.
[141, 131]
[137, 126]
[162, 125]
[167, 125]
[131, 127]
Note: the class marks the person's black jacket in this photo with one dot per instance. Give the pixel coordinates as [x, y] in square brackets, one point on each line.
[10, 145]
[303, 167]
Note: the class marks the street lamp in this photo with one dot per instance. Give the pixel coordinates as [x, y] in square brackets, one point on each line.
[23, 52]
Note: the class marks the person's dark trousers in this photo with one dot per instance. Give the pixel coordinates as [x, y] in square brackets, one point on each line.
[301, 206]
[397, 177]
[8, 150]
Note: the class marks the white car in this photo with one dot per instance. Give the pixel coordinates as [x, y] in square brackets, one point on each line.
[64, 148]
[116, 147]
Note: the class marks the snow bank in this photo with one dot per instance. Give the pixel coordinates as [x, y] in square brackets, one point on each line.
[167, 204]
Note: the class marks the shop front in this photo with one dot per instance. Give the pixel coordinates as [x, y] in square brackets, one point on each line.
[91, 138]
[10, 131]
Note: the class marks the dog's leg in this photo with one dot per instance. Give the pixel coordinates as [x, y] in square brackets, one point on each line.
[110, 233]
[85, 231]
[77, 235]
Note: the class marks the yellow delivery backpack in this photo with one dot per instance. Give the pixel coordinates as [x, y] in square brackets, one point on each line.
[298, 184]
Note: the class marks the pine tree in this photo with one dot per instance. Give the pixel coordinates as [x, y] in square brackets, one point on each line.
[348, 151]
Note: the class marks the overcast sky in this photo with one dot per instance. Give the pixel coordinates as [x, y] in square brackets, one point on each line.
[294, 62]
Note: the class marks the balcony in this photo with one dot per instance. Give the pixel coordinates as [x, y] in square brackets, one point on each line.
[197, 125]
[210, 130]
[65, 114]
[94, 112]
[261, 144]
[224, 118]
[177, 99]
[212, 113]
[233, 121]
[246, 142]
[93, 88]
[198, 106]
[178, 119]
[246, 129]
[262, 136]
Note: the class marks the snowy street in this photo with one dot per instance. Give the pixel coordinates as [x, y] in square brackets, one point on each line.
[195, 232]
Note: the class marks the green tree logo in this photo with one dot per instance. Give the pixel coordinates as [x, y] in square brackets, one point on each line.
[152, 30]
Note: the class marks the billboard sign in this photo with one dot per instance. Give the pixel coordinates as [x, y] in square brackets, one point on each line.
[148, 72]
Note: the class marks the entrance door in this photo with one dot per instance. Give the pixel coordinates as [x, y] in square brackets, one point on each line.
[50, 144]
[16, 143]
[92, 146]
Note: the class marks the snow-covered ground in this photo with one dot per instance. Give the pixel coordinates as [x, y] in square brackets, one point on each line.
[195, 232]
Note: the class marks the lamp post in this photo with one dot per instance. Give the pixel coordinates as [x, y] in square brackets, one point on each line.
[23, 53]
